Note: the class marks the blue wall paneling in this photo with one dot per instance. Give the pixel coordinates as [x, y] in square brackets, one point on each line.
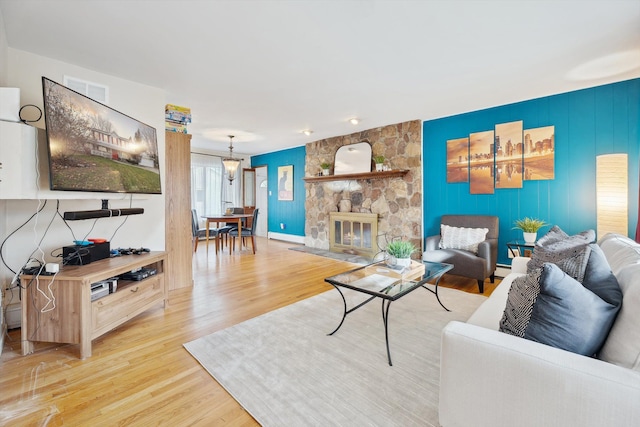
[588, 123]
[290, 213]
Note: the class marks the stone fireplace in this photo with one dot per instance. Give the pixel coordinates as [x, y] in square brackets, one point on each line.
[395, 201]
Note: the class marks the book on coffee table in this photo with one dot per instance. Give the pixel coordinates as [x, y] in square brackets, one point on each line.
[411, 272]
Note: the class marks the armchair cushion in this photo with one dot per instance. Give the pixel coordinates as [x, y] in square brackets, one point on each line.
[462, 237]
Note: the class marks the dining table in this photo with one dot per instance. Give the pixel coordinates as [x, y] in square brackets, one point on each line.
[225, 218]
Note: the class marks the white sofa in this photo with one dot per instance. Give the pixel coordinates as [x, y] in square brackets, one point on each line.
[490, 378]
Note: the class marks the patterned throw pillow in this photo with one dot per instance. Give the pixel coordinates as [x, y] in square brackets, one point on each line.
[550, 307]
[570, 253]
[461, 237]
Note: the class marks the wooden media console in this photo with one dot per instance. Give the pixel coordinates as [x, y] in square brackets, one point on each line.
[72, 317]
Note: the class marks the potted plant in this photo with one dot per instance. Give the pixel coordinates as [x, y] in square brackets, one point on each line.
[325, 168]
[529, 227]
[401, 251]
[379, 161]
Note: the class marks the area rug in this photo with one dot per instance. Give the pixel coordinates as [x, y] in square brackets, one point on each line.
[285, 370]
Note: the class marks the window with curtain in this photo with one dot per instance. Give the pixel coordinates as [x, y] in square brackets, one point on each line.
[210, 189]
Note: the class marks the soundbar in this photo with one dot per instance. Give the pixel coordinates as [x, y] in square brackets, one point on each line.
[101, 213]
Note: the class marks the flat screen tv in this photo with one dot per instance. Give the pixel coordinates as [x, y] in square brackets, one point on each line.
[93, 147]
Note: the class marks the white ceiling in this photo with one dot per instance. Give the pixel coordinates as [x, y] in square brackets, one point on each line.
[266, 70]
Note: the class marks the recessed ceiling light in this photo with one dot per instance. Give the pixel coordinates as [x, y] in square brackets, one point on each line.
[307, 132]
[354, 121]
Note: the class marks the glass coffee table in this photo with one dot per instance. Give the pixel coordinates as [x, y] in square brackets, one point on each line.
[389, 284]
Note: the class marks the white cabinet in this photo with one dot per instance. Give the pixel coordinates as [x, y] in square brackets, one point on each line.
[18, 160]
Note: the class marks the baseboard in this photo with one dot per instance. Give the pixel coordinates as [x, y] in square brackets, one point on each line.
[502, 270]
[286, 237]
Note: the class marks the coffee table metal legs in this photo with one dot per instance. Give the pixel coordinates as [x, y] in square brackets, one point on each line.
[344, 315]
[386, 303]
[385, 320]
[385, 317]
[436, 291]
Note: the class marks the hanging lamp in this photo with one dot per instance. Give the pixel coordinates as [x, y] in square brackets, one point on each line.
[230, 163]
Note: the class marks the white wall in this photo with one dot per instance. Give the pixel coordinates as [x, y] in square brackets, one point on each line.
[3, 74]
[3, 53]
[137, 100]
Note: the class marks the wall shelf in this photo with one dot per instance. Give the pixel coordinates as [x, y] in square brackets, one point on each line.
[364, 175]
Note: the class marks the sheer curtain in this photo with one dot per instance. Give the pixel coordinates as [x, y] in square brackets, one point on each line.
[210, 189]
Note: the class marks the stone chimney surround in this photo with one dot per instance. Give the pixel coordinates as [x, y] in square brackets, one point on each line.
[396, 200]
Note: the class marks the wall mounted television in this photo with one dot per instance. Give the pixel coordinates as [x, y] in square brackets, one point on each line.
[92, 147]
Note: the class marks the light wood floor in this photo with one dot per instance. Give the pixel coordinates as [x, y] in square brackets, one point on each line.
[140, 374]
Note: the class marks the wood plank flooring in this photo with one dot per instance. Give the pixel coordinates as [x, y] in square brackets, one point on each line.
[139, 374]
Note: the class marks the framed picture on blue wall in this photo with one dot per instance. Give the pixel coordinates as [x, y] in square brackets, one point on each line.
[285, 182]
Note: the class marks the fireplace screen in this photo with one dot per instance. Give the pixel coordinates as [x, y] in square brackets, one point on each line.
[353, 233]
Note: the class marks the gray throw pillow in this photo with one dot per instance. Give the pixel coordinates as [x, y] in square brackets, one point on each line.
[550, 307]
[570, 253]
[599, 278]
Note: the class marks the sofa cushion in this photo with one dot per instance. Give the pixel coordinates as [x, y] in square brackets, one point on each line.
[570, 253]
[490, 312]
[620, 251]
[550, 307]
[462, 237]
[599, 278]
[623, 343]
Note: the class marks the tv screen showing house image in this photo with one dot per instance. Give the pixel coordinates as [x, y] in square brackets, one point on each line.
[93, 147]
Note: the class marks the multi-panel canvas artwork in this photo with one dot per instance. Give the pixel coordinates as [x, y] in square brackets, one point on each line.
[501, 158]
[481, 162]
[458, 160]
[508, 155]
[539, 154]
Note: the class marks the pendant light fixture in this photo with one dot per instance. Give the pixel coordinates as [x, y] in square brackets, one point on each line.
[230, 163]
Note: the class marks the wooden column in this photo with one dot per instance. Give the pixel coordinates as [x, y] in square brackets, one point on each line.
[178, 239]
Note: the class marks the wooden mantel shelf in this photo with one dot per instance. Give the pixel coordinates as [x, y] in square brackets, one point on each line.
[363, 175]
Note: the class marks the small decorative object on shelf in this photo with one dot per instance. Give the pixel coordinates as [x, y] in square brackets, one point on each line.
[400, 253]
[529, 227]
[379, 161]
[326, 168]
[344, 205]
[177, 118]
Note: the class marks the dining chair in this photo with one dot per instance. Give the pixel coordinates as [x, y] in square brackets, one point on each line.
[246, 233]
[224, 230]
[200, 232]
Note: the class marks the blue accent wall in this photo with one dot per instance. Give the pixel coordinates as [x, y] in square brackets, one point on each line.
[589, 122]
[291, 213]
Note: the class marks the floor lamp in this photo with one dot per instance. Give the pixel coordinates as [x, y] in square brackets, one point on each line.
[612, 198]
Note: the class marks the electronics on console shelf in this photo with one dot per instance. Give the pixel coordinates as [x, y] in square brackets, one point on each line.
[104, 287]
[128, 251]
[138, 274]
[82, 254]
[99, 290]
